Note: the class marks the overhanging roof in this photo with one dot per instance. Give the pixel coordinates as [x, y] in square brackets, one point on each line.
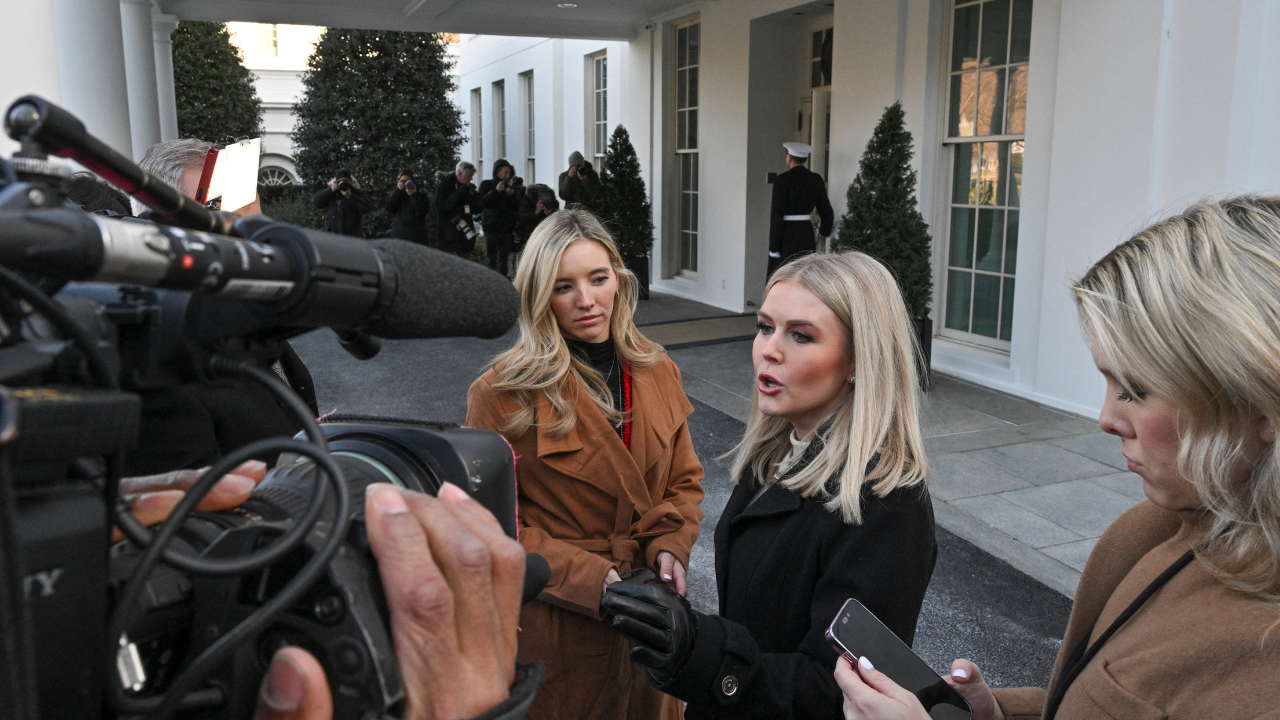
[597, 19]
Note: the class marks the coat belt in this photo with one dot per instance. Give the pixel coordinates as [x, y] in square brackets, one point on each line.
[623, 547]
[797, 218]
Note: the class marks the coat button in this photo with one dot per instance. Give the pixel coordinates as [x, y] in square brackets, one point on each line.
[729, 685]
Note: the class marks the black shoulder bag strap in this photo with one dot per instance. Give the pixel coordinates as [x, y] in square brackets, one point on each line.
[1081, 656]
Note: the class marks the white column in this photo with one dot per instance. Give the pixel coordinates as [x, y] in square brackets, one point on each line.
[91, 68]
[162, 27]
[140, 74]
[29, 56]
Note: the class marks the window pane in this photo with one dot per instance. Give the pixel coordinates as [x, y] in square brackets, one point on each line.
[958, 286]
[990, 102]
[988, 181]
[682, 47]
[961, 251]
[964, 45]
[682, 142]
[995, 33]
[693, 129]
[1011, 243]
[695, 42]
[964, 182]
[682, 89]
[1020, 47]
[1006, 310]
[990, 242]
[986, 305]
[963, 94]
[1015, 173]
[693, 212]
[1016, 101]
[693, 87]
[693, 172]
[1002, 181]
[817, 44]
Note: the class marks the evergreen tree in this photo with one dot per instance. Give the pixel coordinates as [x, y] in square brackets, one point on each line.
[882, 219]
[623, 203]
[213, 88]
[377, 102]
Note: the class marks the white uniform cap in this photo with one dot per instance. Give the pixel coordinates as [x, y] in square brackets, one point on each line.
[798, 149]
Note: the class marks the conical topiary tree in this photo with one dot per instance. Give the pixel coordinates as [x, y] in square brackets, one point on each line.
[623, 205]
[377, 102]
[882, 219]
[213, 89]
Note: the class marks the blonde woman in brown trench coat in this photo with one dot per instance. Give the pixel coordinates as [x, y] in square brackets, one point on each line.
[608, 479]
[1178, 611]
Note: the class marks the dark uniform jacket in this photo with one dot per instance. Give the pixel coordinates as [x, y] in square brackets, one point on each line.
[453, 200]
[784, 566]
[797, 192]
[342, 215]
[408, 214]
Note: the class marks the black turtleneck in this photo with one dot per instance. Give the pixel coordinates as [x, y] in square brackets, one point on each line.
[603, 358]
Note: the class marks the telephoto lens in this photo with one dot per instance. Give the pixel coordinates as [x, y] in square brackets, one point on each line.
[343, 186]
[409, 185]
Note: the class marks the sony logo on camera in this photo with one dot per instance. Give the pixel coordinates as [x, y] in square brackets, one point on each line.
[41, 584]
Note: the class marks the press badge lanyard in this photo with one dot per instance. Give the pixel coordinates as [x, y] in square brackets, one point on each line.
[626, 405]
[1081, 657]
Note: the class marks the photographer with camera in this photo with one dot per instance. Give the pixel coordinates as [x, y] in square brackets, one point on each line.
[457, 201]
[344, 205]
[500, 197]
[407, 206]
[580, 184]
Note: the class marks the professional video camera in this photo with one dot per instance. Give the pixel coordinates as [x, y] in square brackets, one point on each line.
[185, 618]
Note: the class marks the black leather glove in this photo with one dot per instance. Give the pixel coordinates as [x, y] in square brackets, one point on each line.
[658, 621]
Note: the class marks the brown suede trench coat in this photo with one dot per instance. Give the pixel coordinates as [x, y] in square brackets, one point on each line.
[589, 505]
[1195, 649]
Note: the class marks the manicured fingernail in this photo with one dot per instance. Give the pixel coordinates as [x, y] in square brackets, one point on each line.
[387, 499]
[451, 493]
[665, 576]
[284, 687]
[960, 673]
[849, 658]
[235, 485]
[250, 466]
[865, 663]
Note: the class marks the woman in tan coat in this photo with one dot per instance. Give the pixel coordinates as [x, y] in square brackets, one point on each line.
[608, 479]
[1178, 610]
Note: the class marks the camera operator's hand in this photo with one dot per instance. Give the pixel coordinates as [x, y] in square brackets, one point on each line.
[152, 498]
[573, 171]
[333, 184]
[453, 583]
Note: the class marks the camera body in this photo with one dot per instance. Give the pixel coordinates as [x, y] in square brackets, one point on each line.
[410, 185]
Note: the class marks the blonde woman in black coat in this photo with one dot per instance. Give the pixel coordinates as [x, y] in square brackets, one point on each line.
[830, 504]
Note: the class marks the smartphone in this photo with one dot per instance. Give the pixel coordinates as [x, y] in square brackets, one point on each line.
[856, 631]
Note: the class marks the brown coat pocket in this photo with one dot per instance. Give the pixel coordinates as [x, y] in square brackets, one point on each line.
[1097, 694]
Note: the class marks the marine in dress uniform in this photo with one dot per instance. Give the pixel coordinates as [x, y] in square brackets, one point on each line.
[796, 193]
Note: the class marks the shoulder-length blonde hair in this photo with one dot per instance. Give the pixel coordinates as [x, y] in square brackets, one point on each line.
[540, 360]
[1187, 309]
[878, 418]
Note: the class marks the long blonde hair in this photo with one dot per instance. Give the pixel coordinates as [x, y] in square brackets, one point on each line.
[540, 360]
[878, 418]
[1187, 309]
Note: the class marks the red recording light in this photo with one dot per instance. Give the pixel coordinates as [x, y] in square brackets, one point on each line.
[188, 262]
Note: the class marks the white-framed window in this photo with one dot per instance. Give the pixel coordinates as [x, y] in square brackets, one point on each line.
[986, 136]
[477, 132]
[598, 116]
[269, 39]
[688, 41]
[500, 119]
[819, 71]
[530, 144]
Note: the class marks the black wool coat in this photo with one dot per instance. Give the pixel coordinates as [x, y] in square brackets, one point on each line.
[408, 214]
[798, 191]
[784, 566]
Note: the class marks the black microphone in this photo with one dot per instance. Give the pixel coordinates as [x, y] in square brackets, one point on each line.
[293, 277]
[537, 573]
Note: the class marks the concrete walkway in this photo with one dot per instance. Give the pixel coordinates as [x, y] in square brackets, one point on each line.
[1033, 486]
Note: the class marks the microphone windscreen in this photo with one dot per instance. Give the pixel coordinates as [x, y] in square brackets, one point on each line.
[537, 573]
[442, 295]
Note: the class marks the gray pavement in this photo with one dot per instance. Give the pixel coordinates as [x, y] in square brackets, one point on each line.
[1001, 588]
